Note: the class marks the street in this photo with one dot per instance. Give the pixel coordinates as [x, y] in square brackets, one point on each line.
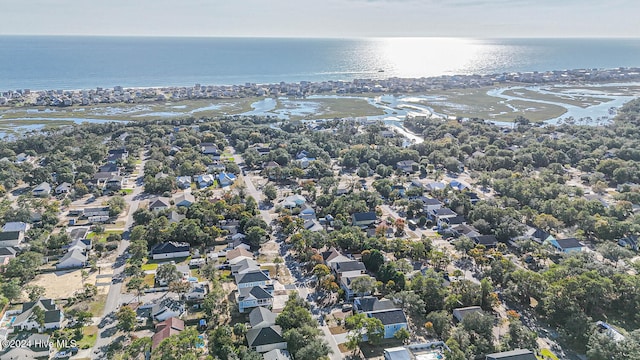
[106, 334]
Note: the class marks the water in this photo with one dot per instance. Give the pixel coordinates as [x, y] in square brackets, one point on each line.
[58, 62]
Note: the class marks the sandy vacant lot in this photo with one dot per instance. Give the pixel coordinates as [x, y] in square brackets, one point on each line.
[63, 284]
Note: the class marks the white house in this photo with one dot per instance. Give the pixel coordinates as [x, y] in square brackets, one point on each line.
[74, 258]
[252, 278]
[159, 204]
[53, 316]
[197, 292]
[42, 190]
[185, 200]
[63, 188]
[183, 182]
[252, 297]
[205, 180]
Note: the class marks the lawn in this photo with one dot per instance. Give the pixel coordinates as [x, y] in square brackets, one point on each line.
[102, 237]
[547, 355]
[149, 267]
[150, 280]
[90, 337]
[270, 268]
[96, 307]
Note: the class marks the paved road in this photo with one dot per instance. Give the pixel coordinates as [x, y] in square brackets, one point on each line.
[107, 332]
[251, 188]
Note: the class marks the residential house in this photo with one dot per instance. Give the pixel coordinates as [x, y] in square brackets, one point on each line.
[312, 225]
[210, 149]
[408, 166]
[185, 199]
[170, 326]
[166, 309]
[205, 180]
[226, 179]
[183, 182]
[398, 353]
[63, 188]
[42, 190]
[438, 214]
[242, 265]
[464, 230]
[11, 238]
[33, 346]
[276, 354]
[345, 284]
[349, 268]
[175, 217]
[22, 157]
[26, 320]
[159, 204]
[74, 258]
[197, 292]
[610, 331]
[567, 245]
[489, 241]
[238, 240]
[434, 186]
[117, 154]
[460, 313]
[630, 241]
[266, 338]
[92, 212]
[448, 222]
[293, 201]
[473, 197]
[83, 245]
[307, 212]
[304, 162]
[170, 250]
[261, 317]
[367, 304]
[251, 297]
[110, 168]
[518, 354]
[364, 219]
[6, 254]
[457, 185]
[114, 183]
[238, 254]
[252, 278]
[429, 205]
[16, 226]
[535, 234]
[392, 320]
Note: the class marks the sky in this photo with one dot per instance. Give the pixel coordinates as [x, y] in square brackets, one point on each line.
[323, 18]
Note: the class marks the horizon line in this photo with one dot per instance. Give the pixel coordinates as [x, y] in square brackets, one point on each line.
[322, 37]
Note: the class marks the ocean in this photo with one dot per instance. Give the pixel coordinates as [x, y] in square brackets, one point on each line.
[75, 62]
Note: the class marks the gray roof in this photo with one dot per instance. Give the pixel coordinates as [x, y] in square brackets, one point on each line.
[170, 247]
[7, 251]
[371, 303]
[366, 216]
[9, 235]
[568, 243]
[260, 317]
[265, 336]
[51, 314]
[518, 354]
[75, 254]
[15, 226]
[349, 266]
[389, 317]
[276, 354]
[252, 276]
[444, 211]
[461, 313]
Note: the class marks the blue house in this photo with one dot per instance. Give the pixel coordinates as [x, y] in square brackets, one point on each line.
[566, 245]
[392, 320]
[226, 179]
[205, 180]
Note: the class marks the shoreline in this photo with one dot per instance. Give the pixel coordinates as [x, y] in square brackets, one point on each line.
[24, 98]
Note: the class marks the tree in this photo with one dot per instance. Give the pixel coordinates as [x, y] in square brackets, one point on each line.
[372, 259]
[440, 323]
[402, 334]
[179, 287]
[363, 285]
[270, 192]
[255, 236]
[34, 292]
[126, 318]
[138, 249]
[362, 327]
[116, 205]
[167, 273]
[11, 289]
[181, 346]
[138, 285]
[295, 313]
